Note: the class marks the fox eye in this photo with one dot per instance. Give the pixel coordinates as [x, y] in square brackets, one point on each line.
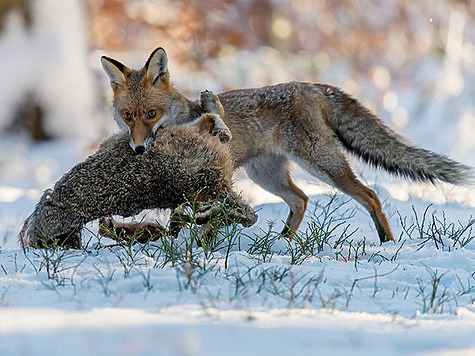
[151, 113]
[128, 116]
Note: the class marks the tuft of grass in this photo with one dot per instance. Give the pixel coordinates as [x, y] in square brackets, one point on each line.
[200, 252]
[105, 280]
[434, 296]
[468, 289]
[261, 246]
[375, 277]
[146, 280]
[53, 262]
[435, 229]
[328, 230]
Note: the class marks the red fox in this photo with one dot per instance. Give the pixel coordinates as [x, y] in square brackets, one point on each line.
[311, 124]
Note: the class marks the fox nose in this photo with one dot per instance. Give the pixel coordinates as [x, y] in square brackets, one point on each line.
[140, 149]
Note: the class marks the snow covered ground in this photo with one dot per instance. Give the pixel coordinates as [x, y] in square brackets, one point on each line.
[349, 296]
[343, 294]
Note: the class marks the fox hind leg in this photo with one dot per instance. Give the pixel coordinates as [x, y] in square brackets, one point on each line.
[271, 171]
[330, 163]
[349, 184]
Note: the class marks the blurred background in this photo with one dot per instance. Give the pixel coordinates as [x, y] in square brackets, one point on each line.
[411, 62]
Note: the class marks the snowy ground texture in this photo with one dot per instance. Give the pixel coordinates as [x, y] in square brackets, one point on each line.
[340, 293]
[334, 290]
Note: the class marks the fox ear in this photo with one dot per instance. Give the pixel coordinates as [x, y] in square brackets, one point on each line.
[157, 66]
[114, 70]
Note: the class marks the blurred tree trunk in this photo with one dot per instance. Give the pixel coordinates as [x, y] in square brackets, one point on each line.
[29, 117]
[22, 6]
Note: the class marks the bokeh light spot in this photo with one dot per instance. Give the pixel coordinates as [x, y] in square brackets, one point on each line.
[390, 101]
[281, 28]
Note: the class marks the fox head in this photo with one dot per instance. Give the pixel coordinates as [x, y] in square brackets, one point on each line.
[143, 99]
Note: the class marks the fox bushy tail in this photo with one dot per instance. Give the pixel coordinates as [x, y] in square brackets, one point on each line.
[363, 134]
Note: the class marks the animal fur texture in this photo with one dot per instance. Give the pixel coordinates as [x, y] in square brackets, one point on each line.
[311, 124]
[181, 165]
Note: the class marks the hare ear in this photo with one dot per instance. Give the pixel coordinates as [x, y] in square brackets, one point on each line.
[156, 66]
[114, 70]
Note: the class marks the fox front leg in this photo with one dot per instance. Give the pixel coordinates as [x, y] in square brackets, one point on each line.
[210, 104]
